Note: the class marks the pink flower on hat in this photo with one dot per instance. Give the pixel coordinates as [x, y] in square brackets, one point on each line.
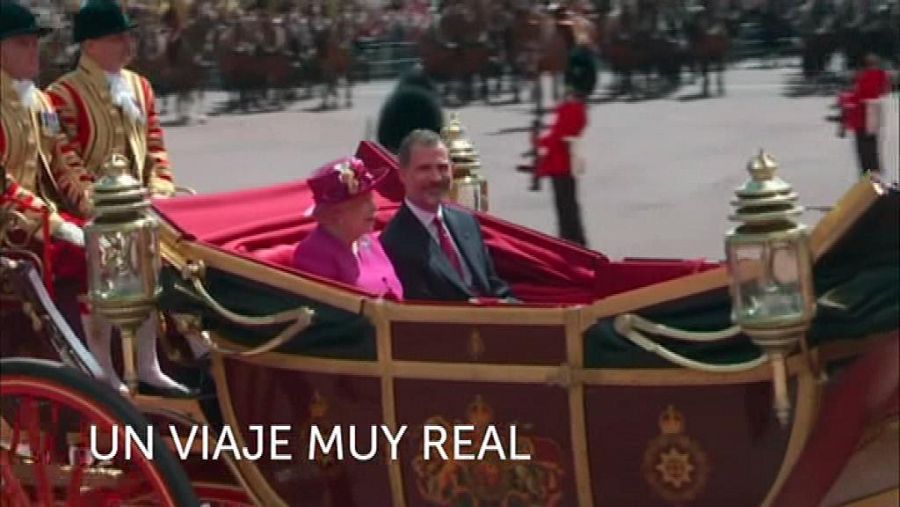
[347, 171]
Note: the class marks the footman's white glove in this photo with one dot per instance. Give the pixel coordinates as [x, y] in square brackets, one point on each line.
[70, 233]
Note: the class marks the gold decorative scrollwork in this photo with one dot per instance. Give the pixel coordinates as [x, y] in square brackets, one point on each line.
[11, 221]
[118, 260]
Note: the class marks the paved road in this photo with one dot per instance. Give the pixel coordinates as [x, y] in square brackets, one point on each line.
[660, 177]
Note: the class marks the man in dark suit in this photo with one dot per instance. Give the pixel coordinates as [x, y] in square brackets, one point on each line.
[437, 250]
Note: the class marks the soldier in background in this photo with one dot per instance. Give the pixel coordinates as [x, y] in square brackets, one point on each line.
[558, 148]
[862, 112]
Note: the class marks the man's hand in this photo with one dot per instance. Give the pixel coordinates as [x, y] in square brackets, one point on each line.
[70, 233]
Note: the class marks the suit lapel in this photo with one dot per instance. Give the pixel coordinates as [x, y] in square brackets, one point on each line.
[467, 242]
[435, 258]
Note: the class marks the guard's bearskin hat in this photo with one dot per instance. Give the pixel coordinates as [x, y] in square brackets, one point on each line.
[414, 104]
[581, 73]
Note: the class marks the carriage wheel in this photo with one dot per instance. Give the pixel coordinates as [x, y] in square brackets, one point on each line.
[48, 410]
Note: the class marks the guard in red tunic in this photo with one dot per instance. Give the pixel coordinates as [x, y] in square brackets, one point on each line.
[862, 113]
[558, 148]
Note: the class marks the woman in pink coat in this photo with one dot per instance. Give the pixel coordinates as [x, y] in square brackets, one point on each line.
[342, 248]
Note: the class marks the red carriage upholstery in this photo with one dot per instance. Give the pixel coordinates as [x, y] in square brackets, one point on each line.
[266, 224]
[279, 255]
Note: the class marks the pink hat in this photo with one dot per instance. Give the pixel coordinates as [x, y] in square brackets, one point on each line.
[341, 180]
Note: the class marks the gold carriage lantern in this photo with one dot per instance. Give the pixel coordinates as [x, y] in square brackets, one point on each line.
[469, 187]
[121, 243]
[769, 260]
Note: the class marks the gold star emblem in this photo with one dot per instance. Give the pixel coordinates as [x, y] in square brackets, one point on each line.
[675, 467]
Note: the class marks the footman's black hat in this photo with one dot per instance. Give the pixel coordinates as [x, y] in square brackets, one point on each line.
[15, 19]
[99, 18]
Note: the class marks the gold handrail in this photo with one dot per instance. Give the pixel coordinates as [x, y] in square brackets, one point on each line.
[629, 321]
[193, 271]
[189, 325]
[630, 326]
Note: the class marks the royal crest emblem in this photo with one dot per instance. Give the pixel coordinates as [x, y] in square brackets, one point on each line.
[491, 481]
[674, 465]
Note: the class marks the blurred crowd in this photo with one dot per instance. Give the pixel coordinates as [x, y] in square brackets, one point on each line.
[270, 44]
[397, 20]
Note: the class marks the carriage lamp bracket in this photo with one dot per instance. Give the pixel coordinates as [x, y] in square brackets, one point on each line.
[633, 328]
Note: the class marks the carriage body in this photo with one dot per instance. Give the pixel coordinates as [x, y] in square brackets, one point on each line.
[600, 415]
[604, 421]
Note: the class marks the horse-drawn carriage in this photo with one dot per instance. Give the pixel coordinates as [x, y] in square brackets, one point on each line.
[583, 368]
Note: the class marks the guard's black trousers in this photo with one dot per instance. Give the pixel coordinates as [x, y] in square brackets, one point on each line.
[568, 213]
[867, 152]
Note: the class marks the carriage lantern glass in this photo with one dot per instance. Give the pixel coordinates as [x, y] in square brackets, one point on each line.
[770, 264]
[121, 244]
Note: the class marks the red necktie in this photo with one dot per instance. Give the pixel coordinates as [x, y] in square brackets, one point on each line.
[447, 246]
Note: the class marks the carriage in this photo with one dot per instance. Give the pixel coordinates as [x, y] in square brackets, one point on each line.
[625, 379]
